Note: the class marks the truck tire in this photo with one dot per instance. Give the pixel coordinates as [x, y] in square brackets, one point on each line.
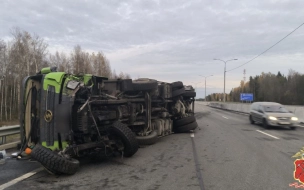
[189, 94]
[177, 85]
[186, 128]
[184, 121]
[147, 140]
[50, 171]
[178, 92]
[127, 136]
[144, 84]
[126, 85]
[53, 162]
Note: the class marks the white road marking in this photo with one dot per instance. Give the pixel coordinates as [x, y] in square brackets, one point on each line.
[267, 134]
[192, 135]
[18, 179]
[225, 117]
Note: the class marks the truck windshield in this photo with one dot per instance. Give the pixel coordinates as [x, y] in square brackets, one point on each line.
[277, 109]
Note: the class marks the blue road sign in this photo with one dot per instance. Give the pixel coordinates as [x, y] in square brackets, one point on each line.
[246, 97]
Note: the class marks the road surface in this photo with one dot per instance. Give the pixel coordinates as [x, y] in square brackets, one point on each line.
[230, 154]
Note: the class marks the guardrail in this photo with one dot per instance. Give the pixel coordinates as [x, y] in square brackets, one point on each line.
[234, 107]
[7, 131]
[245, 108]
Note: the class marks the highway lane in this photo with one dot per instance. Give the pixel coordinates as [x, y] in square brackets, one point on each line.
[232, 154]
[168, 164]
[12, 168]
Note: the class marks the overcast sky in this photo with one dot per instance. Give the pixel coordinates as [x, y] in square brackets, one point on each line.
[170, 40]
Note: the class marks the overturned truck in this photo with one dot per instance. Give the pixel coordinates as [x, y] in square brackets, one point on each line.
[66, 116]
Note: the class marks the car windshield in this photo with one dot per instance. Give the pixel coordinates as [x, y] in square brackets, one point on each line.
[277, 109]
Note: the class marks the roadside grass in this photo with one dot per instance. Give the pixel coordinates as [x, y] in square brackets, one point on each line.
[12, 138]
[6, 123]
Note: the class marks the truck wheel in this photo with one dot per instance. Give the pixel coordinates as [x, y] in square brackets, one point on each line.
[144, 84]
[126, 85]
[53, 162]
[177, 85]
[147, 140]
[186, 128]
[178, 92]
[184, 121]
[50, 171]
[189, 94]
[127, 136]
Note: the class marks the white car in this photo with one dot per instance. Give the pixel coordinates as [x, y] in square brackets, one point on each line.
[272, 114]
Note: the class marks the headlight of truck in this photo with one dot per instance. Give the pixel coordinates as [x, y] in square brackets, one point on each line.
[272, 118]
[294, 118]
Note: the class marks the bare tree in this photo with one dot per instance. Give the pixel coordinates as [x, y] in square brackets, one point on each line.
[77, 60]
[27, 53]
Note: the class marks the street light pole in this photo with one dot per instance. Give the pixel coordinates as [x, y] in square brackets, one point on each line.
[205, 90]
[205, 84]
[225, 83]
[225, 75]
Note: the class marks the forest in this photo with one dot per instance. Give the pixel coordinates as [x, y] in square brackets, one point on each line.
[26, 54]
[287, 90]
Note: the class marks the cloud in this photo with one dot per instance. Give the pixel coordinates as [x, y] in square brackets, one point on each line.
[169, 40]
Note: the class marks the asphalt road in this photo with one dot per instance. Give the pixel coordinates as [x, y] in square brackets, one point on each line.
[231, 154]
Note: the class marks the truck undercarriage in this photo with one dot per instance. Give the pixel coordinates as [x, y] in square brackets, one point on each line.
[65, 116]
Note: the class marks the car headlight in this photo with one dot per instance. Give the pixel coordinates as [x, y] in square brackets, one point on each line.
[272, 118]
[294, 119]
